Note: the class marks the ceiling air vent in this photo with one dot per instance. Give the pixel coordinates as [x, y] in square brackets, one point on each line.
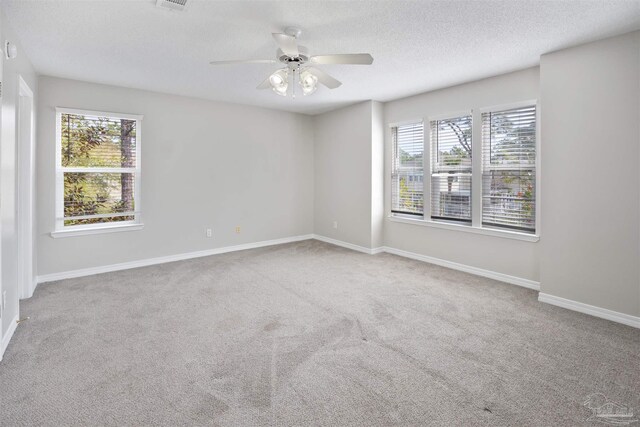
[172, 4]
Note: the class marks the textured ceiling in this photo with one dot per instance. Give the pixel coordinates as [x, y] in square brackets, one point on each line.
[417, 45]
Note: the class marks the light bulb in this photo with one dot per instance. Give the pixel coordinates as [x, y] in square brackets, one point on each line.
[275, 80]
[309, 90]
[309, 82]
[282, 90]
[279, 82]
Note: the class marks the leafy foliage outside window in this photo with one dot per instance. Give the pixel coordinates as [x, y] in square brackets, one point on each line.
[410, 200]
[98, 161]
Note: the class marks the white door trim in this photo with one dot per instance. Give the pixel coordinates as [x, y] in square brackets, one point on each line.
[25, 151]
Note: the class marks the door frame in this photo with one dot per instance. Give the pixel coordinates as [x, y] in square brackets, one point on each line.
[25, 203]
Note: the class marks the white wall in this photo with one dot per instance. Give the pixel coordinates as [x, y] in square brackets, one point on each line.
[9, 168]
[590, 248]
[344, 168]
[204, 165]
[496, 254]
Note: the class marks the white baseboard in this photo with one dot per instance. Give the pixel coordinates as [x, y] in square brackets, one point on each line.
[161, 260]
[592, 310]
[626, 319]
[531, 284]
[13, 324]
[370, 251]
[526, 283]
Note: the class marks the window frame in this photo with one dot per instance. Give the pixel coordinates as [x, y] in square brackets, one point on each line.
[536, 166]
[476, 226]
[60, 230]
[424, 167]
[432, 147]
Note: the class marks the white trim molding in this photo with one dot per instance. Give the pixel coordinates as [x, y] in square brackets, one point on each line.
[169, 258]
[370, 251]
[615, 316]
[506, 234]
[79, 111]
[100, 229]
[25, 181]
[526, 283]
[7, 336]
[519, 281]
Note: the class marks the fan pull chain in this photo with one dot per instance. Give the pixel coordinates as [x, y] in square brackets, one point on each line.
[293, 85]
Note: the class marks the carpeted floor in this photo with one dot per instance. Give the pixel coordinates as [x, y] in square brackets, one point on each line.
[308, 334]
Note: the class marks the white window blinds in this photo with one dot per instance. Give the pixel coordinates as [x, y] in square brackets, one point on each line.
[407, 175]
[98, 169]
[509, 169]
[451, 145]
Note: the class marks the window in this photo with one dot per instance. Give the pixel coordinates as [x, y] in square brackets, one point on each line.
[451, 145]
[509, 169]
[485, 188]
[407, 169]
[98, 170]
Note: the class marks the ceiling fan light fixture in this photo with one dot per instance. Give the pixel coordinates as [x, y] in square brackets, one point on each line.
[280, 81]
[309, 82]
[298, 71]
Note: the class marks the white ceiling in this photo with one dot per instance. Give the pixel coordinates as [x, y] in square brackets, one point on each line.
[417, 45]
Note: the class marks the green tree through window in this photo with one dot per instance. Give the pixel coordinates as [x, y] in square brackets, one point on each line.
[98, 164]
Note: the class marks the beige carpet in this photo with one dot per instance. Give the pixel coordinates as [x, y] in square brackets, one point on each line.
[308, 334]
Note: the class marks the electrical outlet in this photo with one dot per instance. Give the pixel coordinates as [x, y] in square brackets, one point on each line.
[4, 299]
[237, 229]
[209, 232]
[335, 224]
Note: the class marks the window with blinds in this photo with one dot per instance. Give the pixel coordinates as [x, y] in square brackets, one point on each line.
[98, 169]
[407, 175]
[509, 169]
[451, 144]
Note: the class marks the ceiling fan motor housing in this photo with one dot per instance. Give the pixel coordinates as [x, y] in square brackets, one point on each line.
[302, 58]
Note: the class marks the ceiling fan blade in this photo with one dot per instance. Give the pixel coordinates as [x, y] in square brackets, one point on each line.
[325, 78]
[266, 84]
[243, 61]
[343, 58]
[287, 43]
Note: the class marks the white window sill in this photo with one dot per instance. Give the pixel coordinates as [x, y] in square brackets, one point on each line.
[96, 230]
[467, 229]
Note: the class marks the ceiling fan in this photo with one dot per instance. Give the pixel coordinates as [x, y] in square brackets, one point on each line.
[298, 65]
